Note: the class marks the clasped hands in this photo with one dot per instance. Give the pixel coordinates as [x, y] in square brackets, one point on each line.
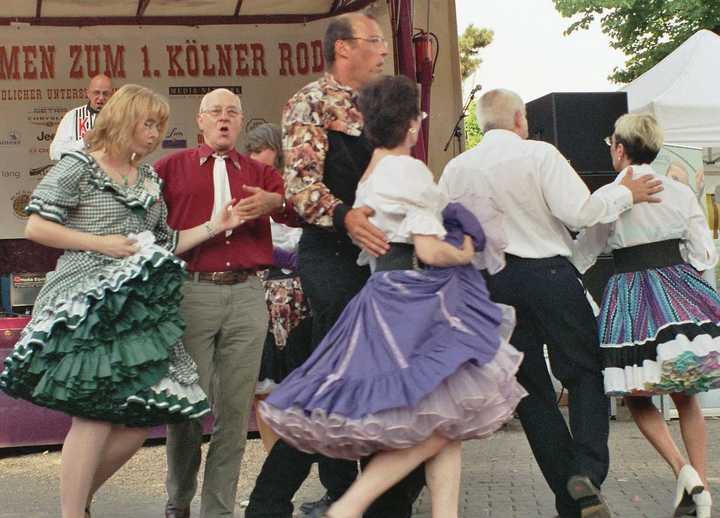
[235, 213]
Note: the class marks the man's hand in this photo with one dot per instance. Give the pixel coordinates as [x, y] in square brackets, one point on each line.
[115, 245]
[643, 188]
[259, 203]
[364, 233]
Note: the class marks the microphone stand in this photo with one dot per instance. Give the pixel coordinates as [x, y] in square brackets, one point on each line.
[456, 133]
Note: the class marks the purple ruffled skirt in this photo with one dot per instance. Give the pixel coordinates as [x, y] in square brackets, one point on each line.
[415, 353]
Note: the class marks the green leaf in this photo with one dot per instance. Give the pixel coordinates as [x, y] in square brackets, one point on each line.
[645, 30]
[469, 44]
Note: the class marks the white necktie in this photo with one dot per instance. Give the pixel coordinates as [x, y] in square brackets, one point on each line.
[221, 186]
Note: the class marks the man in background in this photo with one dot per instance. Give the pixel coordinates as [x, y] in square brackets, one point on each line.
[80, 120]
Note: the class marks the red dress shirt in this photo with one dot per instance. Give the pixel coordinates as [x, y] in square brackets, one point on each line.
[188, 193]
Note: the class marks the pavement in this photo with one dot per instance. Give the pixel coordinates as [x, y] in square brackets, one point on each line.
[500, 480]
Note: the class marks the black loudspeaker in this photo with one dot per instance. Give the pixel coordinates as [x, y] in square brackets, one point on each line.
[577, 124]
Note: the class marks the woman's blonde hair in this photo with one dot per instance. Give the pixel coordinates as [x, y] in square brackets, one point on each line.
[115, 124]
[641, 136]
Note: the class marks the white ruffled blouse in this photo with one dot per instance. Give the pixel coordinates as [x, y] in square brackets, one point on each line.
[402, 192]
[677, 216]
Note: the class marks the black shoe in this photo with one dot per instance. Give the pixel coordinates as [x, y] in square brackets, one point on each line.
[316, 508]
[591, 502]
[176, 512]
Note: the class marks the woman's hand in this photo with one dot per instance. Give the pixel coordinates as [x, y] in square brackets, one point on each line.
[228, 218]
[115, 245]
[434, 251]
[467, 251]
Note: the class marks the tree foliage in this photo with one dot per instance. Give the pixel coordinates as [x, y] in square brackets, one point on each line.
[473, 133]
[470, 43]
[644, 30]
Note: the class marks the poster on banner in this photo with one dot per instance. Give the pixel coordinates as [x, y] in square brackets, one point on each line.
[44, 72]
[685, 164]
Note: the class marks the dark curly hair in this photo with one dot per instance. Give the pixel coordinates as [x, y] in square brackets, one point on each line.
[389, 104]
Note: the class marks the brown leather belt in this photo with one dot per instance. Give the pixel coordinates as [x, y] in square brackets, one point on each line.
[233, 277]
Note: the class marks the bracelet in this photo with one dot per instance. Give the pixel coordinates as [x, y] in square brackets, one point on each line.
[211, 232]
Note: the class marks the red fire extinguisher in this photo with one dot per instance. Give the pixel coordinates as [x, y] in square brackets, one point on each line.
[426, 46]
[424, 56]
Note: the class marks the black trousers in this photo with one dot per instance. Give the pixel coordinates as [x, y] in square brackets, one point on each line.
[552, 309]
[330, 278]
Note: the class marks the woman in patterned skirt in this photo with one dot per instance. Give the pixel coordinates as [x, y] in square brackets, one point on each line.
[104, 344]
[287, 343]
[659, 322]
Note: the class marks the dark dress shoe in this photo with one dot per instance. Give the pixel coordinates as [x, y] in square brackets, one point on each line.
[318, 508]
[592, 503]
[175, 512]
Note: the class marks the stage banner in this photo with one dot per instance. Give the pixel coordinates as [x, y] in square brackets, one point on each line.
[44, 72]
[685, 164]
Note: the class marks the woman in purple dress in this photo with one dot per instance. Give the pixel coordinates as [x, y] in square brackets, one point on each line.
[419, 360]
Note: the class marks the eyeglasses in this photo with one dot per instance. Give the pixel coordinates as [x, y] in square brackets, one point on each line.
[151, 125]
[216, 112]
[608, 141]
[375, 40]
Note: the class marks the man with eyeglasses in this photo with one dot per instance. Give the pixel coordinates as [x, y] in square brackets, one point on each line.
[325, 156]
[78, 121]
[224, 301]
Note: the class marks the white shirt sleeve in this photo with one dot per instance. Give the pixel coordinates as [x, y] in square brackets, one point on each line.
[484, 208]
[449, 180]
[64, 140]
[406, 186]
[698, 246]
[589, 244]
[569, 199]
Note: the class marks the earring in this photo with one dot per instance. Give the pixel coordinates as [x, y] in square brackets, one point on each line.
[132, 157]
[412, 131]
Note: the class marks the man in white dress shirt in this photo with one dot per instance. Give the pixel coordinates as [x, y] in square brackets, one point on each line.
[78, 121]
[541, 197]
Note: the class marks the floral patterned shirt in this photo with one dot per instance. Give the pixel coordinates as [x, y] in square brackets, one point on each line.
[321, 106]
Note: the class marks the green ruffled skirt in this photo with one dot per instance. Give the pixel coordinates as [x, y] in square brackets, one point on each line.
[110, 350]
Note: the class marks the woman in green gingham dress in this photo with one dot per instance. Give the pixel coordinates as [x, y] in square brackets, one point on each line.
[104, 342]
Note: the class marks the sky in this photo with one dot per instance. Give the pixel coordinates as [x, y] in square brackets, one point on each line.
[529, 53]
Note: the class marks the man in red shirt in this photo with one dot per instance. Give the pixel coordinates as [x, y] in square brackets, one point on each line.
[224, 305]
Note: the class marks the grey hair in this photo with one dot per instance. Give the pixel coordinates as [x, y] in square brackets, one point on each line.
[266, 136]
[204, 102]
[496, 109]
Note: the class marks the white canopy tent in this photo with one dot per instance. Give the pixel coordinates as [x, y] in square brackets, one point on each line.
[682, 91]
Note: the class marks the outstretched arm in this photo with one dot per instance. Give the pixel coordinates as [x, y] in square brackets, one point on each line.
[227, 219]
